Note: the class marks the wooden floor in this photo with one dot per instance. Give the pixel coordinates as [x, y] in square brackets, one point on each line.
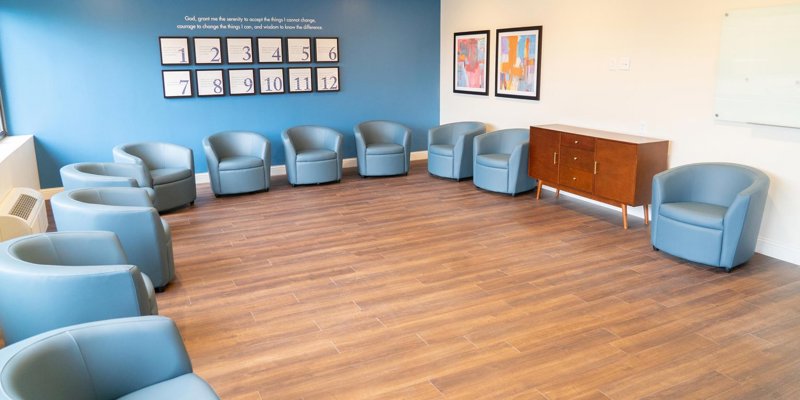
[419, 287]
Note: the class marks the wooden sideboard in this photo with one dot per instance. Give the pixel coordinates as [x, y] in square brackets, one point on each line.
[609, 167]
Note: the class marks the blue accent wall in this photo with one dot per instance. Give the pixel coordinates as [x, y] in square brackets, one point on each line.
[85, 75]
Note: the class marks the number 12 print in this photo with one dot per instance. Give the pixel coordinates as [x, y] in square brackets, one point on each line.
[327, 79]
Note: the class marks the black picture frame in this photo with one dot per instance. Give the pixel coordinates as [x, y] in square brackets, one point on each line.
[469, 48]
[239, 50]
[201, 82]
[237, 77]
[528, 85]
[174, 50]
[177, 83]
[296, 78]
[267, 83]
[301, 56]
[326, 49]
[328, 79]
[266, 50]
[204, 53]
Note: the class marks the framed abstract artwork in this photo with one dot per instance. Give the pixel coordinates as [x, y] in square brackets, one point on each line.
[518, 64]
[470, 62]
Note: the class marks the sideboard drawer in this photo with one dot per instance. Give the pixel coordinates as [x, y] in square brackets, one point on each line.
[577, 159]
[576, 179]
[577, 141]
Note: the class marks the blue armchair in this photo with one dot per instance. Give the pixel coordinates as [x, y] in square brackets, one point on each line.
[127, 358]
[313, 154]
[52, 280]
[238, 162]
[450, 149]
[382, 148]
[97, 174]
[709, 213]
[500, 161]
[145, 237]
[171, 169]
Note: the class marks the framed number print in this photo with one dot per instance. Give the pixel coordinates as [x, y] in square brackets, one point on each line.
[518, 62]
[207, 50]
[470, 62]
[270, 50]
[326, 49]
[241, 81]
[174, 50]
[300, 80]
[271, 81]
[177, 83]
[327, 79]
[210, 82]
[298, 49]
[240, 50]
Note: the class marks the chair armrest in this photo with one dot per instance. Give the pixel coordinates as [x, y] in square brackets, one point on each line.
[122, 156]
[742, 223]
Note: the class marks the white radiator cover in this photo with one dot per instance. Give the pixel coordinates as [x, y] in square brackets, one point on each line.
[22, 212]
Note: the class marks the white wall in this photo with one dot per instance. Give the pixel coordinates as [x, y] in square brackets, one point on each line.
[668, 92]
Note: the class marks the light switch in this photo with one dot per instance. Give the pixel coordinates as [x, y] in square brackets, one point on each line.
[624, 64]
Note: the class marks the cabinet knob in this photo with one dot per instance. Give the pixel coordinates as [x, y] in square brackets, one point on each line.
[575, 158]
[574, 178]
[576, 142]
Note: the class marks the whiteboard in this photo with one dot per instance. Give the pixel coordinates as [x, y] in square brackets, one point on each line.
[758, 80]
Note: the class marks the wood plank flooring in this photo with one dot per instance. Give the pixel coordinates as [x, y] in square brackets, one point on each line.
[422, 288]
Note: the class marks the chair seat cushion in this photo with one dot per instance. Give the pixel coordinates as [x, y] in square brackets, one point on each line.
[239, 162]
[699, 214]
[441, 149]
[188, 386]
[167, 175]
[315, 155]
[493, 160]
[377, 149]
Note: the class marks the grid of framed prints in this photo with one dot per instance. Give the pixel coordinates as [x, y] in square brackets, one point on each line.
[244, 78]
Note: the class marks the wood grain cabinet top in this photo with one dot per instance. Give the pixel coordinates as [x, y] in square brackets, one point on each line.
[610, 167]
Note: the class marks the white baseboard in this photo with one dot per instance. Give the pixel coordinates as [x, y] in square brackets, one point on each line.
[778, 250]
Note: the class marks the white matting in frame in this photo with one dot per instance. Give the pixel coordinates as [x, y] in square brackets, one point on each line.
[298, 49]
[210, 82]
[174, 50]
[240, 50]
[327, 49]
[270, 50]
[177, 83]
[300, 80]
[207, 50]
[271, 81]
[327, 79]
[241, 81]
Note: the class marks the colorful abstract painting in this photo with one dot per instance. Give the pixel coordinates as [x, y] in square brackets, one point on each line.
[518, 62]
[471, 70]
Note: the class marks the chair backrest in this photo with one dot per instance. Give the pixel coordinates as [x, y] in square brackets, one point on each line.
[57, 279]
[155, 155]
[100, 360]
[502, 141]
[310, 137]
[382, 131]
[126, 212]
[714, 183]
[448, 133]
[236, 143]
[83, 175]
